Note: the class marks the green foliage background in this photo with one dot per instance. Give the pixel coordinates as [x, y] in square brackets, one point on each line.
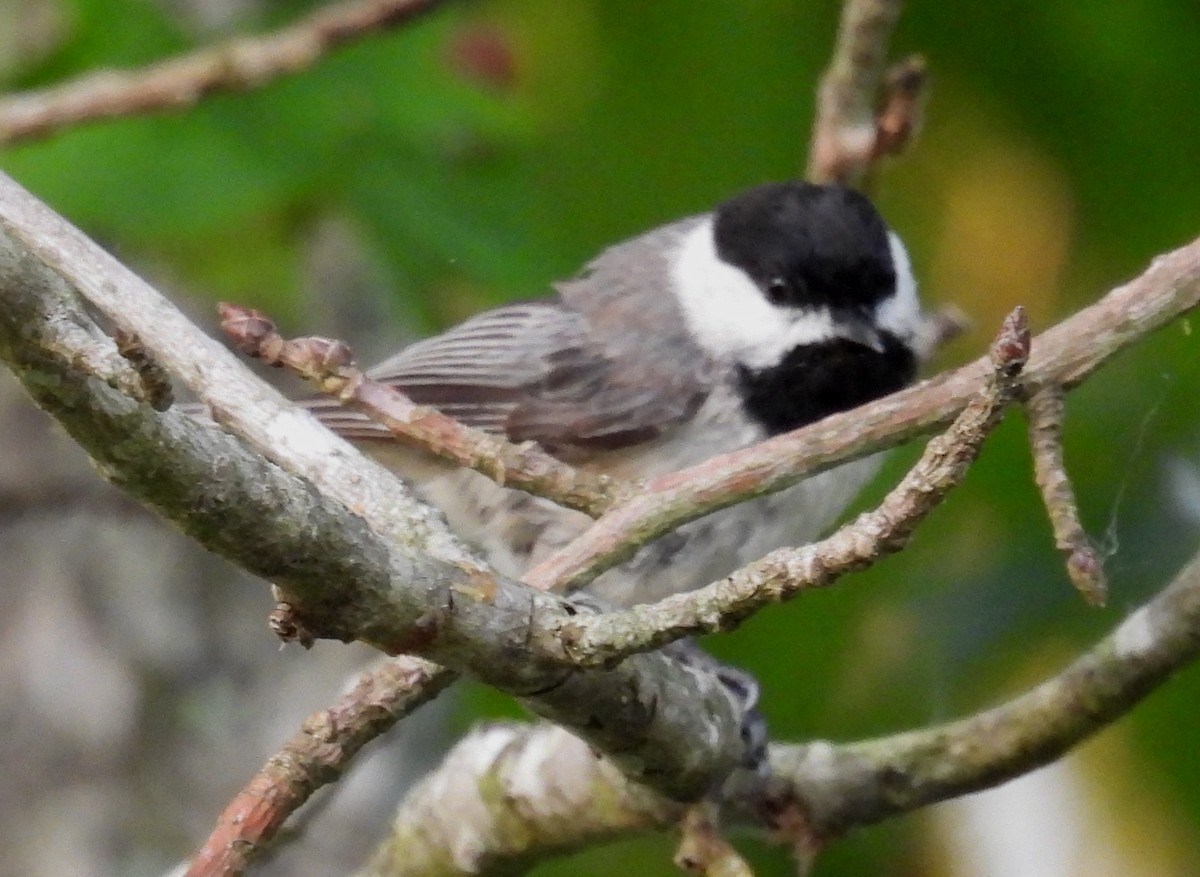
[493, 147]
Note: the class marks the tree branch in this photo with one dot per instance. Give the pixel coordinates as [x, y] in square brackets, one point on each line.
[388, 572]
[318, 754]
[531, 792]
[178, 83]
[846, 786]
[134, 435]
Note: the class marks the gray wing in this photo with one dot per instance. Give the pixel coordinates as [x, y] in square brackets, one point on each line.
[533, 371]
[606, 364]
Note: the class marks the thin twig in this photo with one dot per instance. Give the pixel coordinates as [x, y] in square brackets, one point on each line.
[600, 639]
[329, 365]
[846, 133]
[318, 754]
[858, 784]
[1084, 566]
[178, 83]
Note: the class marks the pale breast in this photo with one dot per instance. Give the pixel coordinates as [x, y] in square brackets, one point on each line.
[516, 531]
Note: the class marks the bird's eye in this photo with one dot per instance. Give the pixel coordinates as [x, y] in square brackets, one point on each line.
[777, 291]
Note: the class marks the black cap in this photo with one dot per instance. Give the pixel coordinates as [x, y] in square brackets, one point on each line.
[806, 245]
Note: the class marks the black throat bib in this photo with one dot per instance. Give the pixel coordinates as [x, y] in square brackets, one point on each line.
[820, 379]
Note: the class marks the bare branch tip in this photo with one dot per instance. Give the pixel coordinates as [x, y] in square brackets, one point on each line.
[1045, 410]
[1087, 575]
[1010, 351]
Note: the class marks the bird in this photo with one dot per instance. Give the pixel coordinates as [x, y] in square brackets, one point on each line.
[785, 303]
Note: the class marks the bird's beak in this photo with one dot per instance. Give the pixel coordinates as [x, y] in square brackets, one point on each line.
[938, 328]
[860, 332]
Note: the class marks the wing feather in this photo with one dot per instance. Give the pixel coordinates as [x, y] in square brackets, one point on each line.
[531, 371]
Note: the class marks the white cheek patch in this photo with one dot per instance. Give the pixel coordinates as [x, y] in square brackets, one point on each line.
[729, 316]
[900, 313]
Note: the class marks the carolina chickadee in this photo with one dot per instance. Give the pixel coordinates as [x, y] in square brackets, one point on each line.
[787, 303]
